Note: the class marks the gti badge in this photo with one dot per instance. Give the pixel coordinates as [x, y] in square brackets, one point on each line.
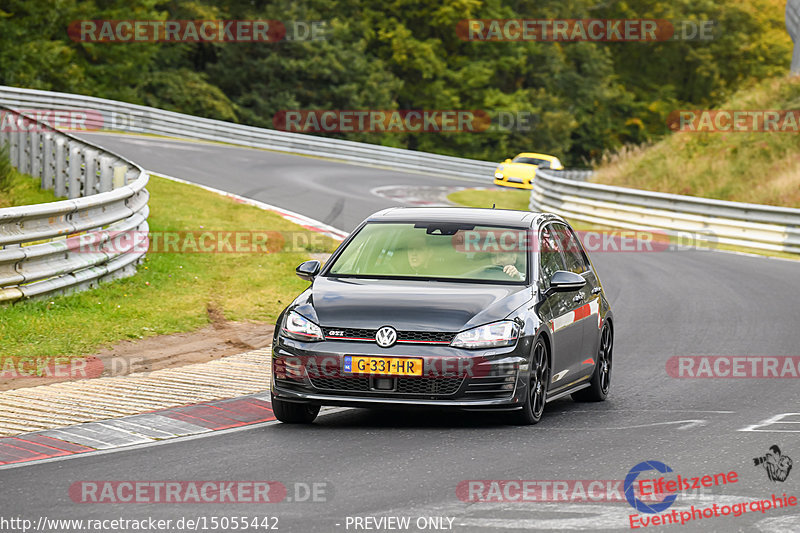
[386, 336]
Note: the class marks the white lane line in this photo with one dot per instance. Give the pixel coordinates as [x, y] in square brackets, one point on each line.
[776, 420]
[779, 524]
[686, 424]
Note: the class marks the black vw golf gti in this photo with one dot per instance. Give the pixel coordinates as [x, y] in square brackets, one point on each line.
[446, 307]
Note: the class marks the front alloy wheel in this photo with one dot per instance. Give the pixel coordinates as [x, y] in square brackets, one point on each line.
[533, 408]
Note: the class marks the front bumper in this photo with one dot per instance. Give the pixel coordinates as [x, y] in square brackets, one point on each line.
[517, 183]
[312, 373]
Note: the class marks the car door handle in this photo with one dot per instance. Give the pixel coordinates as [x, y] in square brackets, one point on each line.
[597, 290]
[578, 298]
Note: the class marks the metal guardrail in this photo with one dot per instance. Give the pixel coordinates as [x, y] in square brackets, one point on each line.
[793, 27]
[121, 116]
[64, 246]
[102, 114]
[695, 219]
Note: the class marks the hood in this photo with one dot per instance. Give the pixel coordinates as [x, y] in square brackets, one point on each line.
[408, 305]
[519, 170]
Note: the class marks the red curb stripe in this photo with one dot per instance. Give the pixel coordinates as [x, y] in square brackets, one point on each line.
[22, 450]
[246, 411]
[56, 444]
[216, 415]
[204, 415]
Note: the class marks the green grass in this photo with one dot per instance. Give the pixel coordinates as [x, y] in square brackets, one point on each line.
[517, 199]
[19, 189]
[503, 198]
[172, 292]
[761, 168]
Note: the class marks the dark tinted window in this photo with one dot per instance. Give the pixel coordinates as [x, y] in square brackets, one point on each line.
[574, 255]
[550, 259]
[532, 161]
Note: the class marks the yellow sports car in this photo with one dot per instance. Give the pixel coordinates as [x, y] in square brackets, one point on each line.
[520, 171]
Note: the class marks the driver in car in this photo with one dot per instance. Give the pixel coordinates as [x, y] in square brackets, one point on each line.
[508, 261]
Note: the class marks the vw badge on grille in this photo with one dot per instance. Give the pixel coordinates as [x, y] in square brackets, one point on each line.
[386, 336]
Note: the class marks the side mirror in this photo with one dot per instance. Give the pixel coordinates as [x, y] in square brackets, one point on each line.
[308, 270]
[507, 161]
[565, 281]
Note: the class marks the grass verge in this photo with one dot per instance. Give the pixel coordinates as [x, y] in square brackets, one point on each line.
[172, 292]
[762, 168]
[19, 189]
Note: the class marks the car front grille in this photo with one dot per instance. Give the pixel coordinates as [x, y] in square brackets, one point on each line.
[409, 337]
[403, 385]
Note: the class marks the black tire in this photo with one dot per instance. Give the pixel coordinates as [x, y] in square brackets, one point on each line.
[601, 378]
[294, 413]
[535, 400]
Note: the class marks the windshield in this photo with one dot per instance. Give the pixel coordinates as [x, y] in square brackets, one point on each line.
[447, 252]
[532, 161]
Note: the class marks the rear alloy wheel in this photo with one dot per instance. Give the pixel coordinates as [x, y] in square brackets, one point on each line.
[533, 408]
[601, 379]
[294, 413]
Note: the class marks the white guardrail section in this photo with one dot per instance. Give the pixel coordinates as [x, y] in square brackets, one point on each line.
[689, 218]
[63, 246]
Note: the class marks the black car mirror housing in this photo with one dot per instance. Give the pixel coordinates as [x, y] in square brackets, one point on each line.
[565, 281]
[308, 270]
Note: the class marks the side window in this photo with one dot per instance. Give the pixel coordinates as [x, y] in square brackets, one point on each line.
[550, 259]
[574, 255]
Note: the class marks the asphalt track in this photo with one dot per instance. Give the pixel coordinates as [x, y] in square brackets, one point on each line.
[410, 463]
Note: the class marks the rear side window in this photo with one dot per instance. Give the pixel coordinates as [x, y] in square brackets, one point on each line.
[574, 255]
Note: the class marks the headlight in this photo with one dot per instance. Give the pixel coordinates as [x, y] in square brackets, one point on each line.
[498, 175]
[503, 333]
[296, 326]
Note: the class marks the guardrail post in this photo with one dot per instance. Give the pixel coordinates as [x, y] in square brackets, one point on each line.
[61, 167]
[90, 180]
[48, 161]
[106, 173]
[131, 175]
[120, 171]
[5, 131]
[36, 155]
[13, 147]
[75, 170]
[24, 152]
